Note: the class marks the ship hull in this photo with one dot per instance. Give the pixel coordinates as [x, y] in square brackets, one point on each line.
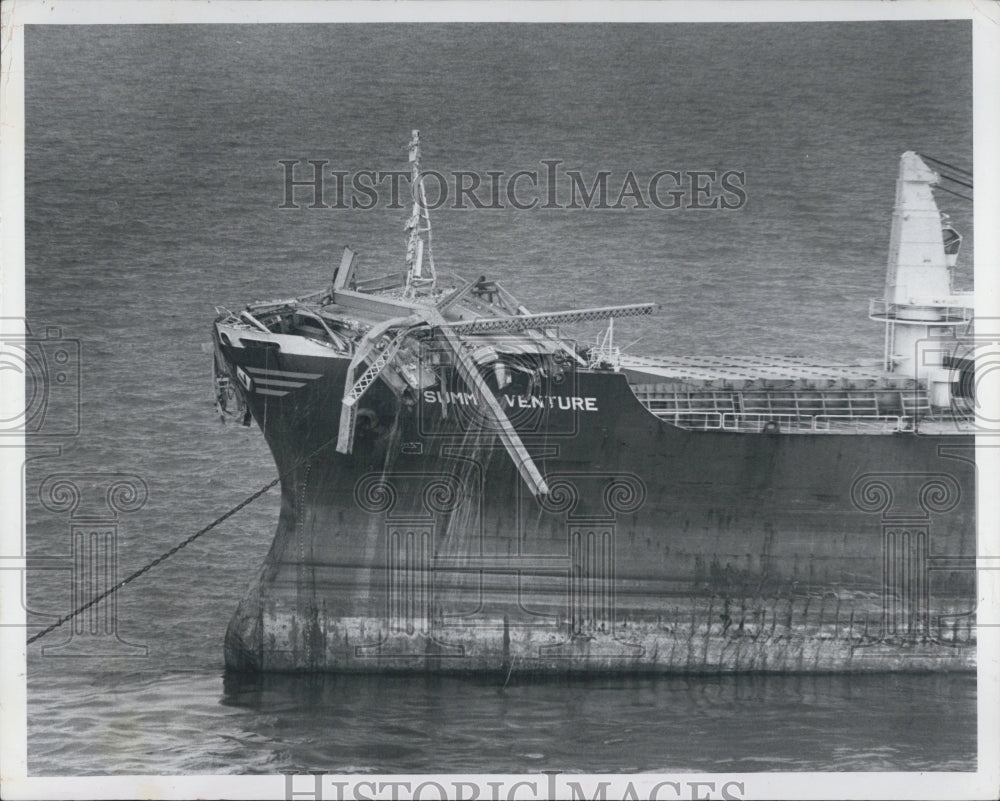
[656, 549]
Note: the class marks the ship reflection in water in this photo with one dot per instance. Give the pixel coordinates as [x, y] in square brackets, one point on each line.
[738, 723]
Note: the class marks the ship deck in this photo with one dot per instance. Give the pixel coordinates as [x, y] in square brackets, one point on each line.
[740, 372]
[791, 395]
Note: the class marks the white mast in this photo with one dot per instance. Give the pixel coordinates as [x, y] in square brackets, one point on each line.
[418, 227]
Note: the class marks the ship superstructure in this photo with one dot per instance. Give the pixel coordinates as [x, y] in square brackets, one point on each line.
[463, 487]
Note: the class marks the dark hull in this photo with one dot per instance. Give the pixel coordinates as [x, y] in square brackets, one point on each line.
[657, 548]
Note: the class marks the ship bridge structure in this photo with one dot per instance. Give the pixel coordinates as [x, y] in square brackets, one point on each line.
[921, 309]
[923, 382]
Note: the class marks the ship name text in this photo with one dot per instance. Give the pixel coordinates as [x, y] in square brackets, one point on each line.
[564, 402]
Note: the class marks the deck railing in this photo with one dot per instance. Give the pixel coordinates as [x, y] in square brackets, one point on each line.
[813, 412]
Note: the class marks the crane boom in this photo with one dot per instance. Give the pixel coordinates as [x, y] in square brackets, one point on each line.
[380, 362]
[501, 425]
[354, 390]
[524, 322]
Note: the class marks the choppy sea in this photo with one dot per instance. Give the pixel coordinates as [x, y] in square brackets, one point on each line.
[153, 189]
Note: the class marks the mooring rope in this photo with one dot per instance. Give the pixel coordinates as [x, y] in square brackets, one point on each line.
[167, 554]
[162, 557]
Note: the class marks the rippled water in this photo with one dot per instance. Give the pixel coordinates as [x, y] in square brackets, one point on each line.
[152, 194]
[400, 725]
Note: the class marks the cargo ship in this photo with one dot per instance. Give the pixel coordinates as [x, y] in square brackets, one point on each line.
[465, 489]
